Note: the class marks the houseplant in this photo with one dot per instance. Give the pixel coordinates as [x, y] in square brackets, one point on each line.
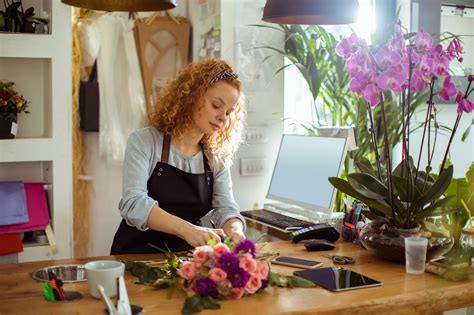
[311, 49]
[400, 199]
[11, 104]
[16, 19]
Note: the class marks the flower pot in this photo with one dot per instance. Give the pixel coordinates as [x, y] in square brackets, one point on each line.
[7, 128]
[388, 242]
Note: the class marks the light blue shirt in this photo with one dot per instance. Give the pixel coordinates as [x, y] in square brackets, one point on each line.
[142, 153]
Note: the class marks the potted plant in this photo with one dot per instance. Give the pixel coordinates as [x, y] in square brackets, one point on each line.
[400, 199]
[16, 19]
[11, 104]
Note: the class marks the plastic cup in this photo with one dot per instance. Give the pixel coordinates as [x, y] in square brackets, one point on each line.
[415, 254]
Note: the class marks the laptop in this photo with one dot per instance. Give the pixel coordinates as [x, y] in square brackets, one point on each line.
[300, 182]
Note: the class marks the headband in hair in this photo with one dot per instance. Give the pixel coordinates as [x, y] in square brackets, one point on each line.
[222, 75]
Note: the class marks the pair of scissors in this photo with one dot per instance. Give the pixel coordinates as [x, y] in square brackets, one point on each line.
[340, 260]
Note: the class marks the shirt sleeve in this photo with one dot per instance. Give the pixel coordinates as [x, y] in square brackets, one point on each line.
[223, 201]
[135, 205]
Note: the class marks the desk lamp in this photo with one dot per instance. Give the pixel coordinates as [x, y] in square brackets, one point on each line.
[322, 12]
[123, 5]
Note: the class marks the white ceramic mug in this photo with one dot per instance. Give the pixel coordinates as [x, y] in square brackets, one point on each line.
[105, 273]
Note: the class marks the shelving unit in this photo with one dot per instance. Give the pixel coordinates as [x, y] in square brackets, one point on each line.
[40, 66]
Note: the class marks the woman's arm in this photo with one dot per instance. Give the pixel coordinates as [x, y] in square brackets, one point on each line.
[160, 220]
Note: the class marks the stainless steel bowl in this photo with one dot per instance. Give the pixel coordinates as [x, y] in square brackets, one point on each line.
[68, 273]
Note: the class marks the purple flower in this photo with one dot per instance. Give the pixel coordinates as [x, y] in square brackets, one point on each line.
[426, 66]
[348, 46]
[390, 79]
[206, 287]
[386, 57]
[441, 66]
[464, 105]
[238, 277]
[228, 262]
[371, 94]
[454, 50]
[423, 40]
[418, 81]
[448, 90]
[246, 246]
[264, 284]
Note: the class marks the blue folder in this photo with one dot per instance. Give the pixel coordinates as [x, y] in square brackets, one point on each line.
[13, 208]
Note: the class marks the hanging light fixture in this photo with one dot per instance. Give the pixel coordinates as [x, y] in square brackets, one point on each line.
[123, 5]
[308, 12]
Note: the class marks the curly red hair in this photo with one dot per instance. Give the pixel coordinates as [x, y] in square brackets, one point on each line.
[183, 96]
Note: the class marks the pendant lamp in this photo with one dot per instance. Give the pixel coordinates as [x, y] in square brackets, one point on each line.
[322, 12]
[123, 5]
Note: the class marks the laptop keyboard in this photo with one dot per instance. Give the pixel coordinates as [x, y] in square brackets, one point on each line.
[276, 219]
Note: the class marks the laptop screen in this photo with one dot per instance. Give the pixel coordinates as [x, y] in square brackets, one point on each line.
[302, 168]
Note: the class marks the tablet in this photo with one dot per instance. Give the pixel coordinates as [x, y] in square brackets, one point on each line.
[337, 278]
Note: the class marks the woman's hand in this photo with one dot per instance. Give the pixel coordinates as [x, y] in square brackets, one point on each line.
[234, 228]
[198, 236]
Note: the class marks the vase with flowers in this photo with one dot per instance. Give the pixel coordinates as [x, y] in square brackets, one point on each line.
[11, 104]
[400, 199]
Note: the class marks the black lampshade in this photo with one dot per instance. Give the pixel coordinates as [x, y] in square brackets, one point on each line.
[322, 12]
[123, 5]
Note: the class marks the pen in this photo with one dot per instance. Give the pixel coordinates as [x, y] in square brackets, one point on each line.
[213, 224]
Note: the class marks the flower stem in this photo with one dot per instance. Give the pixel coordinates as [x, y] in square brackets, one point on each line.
[387, 152]
[374, 140]
[458, 118]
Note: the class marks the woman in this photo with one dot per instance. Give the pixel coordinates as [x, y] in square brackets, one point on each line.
[177, 170]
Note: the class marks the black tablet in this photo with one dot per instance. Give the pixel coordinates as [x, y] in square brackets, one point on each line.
[337, 278]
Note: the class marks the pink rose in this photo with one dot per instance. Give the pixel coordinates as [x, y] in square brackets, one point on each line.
[263, 269]
[236, 293]
[253, 284]
[219, 249]
[187, 270]
[201, 254]
[217, 274]
[247, 263]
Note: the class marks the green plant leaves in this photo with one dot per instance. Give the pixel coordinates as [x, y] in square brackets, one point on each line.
[196, 304]
[436, 190]
[282, 281]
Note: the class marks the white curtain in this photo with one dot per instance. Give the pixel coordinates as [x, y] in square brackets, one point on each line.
[122, 98]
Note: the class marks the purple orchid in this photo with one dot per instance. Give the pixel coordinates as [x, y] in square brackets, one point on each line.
[454, 50]
[464, 105]
[371, 94]
[423, 40]
[390, 80]
[386, 58]
[448, 90]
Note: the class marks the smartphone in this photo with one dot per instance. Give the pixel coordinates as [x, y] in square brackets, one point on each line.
[297, 262]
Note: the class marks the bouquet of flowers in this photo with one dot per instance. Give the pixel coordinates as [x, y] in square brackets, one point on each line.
[215, 271]
[11, 103]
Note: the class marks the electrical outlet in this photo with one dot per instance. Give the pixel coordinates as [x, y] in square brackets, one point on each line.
[255, 135]
[252, 166]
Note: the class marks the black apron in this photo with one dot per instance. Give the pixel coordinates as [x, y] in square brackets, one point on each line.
[186, 195]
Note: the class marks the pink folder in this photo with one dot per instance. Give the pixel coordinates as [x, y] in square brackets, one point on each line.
[37, 211]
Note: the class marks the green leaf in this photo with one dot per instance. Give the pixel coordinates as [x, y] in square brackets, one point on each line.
[192, 305]
[401, 187]
[298, 282]
[210, 303]
[346, 188]
[368, 185]
[426, 212]
[438, 188]
[276, 279]
[364, 166]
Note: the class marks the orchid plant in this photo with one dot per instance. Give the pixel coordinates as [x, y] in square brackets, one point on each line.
[408, 63]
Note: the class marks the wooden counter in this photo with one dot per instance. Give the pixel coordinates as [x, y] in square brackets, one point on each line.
[400, 293]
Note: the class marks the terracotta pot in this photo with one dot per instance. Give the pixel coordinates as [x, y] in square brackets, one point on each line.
[388, 242]
[5, 128]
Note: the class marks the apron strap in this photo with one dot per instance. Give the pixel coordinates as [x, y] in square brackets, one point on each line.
[165, 150]
[165, 153]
